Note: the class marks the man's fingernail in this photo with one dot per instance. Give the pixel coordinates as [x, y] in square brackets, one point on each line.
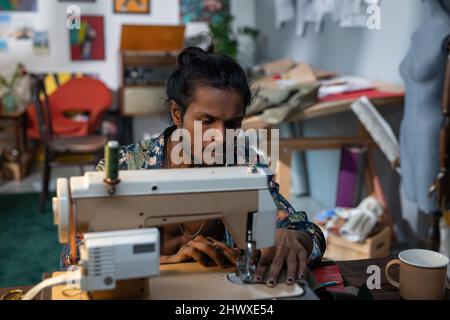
[301, 276]
[271, 282]
[258, 278]
[290, 280]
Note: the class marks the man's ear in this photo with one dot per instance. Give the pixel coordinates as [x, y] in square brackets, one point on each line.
[176, 113]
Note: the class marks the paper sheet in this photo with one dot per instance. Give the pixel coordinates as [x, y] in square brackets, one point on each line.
[284, 12]
[353, 14]
[301, 17]
[344, 84]
[312, 11]
[378, 128]
[348, 13]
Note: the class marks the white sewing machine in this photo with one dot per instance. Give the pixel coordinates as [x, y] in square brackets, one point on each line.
[120, 252]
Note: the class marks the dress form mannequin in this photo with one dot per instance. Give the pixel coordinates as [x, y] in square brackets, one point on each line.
[423, 71]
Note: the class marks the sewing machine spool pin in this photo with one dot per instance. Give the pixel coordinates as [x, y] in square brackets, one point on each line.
[112, 166]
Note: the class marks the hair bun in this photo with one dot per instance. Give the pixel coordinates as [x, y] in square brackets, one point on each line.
[188, 55]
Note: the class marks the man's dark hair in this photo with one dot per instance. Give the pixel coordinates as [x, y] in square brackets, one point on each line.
[198, 67]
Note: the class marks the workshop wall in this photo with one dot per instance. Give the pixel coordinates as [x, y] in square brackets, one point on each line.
[373, 54]
[245, 15]
[51, 16]
[359, 51]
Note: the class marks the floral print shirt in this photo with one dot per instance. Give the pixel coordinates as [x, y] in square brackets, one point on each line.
[149, 154]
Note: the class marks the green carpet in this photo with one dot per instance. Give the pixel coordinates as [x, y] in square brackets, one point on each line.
[28, 240]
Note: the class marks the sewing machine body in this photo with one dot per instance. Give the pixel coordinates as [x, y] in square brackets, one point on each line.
[155, 198]
[239, 196]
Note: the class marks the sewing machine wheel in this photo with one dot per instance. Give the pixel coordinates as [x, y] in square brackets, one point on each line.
[61, 209]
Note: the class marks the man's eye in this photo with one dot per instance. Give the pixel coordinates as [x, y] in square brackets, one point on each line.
[234, 124]
[207, 121]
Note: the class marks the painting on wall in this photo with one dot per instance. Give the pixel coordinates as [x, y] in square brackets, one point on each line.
[202, 10]
[88, 42]
[24, 32]
[3, 45]
[6, 28]
[132, 6]
[18, 5]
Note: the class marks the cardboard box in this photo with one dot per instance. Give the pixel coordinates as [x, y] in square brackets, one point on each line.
[378, 246]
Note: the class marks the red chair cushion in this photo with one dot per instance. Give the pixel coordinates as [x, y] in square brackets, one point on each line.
[80, 94]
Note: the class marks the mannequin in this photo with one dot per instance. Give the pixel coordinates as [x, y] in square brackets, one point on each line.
[423, 71]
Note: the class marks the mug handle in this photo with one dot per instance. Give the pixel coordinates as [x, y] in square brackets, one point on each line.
[388, 277]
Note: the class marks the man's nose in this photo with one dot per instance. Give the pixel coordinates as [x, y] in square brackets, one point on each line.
[220, 127]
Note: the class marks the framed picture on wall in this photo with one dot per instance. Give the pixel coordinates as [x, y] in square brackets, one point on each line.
[202, 10]
[132, 6]
[18, 5]
[88, 42]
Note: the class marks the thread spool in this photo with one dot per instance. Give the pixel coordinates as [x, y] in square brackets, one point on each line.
[112, 162]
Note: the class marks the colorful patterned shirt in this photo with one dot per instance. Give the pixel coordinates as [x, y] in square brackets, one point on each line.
[149, 154]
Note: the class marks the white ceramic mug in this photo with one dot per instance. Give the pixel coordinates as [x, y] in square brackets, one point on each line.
[423, 274]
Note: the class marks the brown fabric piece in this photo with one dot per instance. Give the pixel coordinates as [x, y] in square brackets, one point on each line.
[267, 98]
[304, 97]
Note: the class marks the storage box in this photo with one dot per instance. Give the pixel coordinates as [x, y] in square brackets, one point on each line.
[340, 249]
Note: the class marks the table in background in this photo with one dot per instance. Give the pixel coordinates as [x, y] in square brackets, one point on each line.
[355, 274]
[387, 95]
[318, 110]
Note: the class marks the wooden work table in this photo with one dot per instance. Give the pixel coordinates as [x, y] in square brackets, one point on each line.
[324, 109]
[353, 272]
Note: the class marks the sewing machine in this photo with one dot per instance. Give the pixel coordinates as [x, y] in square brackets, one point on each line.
[120, 252]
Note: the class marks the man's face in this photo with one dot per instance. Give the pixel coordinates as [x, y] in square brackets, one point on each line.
[212, 108]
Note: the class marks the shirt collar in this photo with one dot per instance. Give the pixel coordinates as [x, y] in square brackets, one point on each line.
[158, 146]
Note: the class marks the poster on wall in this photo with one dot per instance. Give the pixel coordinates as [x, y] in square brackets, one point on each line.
[88, 43]
[6, 27]
[24, 32]
[3, 45]
[132, 6]
[18, 5]
[41, 43]
[202, 10]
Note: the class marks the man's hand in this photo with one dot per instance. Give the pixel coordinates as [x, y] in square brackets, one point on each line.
[206, 251]
[292, 249]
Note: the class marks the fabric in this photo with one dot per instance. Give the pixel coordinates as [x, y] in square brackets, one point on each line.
[278, 105]
[370, 94]
[149, 154]
[29, 243]
[304, 97]
[267, 98]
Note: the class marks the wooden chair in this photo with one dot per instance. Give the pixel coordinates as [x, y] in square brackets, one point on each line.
[85, 95]
[78, 151]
